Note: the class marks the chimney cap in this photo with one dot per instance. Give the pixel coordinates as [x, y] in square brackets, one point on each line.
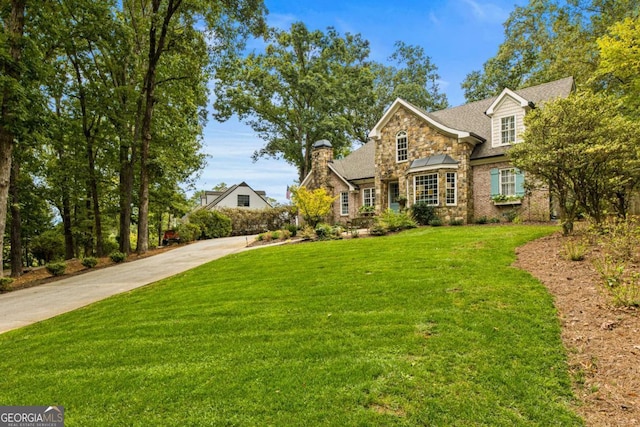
[323, 143]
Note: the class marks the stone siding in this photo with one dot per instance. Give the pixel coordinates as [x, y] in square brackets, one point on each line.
[422, 141]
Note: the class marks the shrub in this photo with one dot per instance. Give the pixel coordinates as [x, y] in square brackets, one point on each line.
[117, 257]
[5, 284]
[494, 220]
[355, 233]
[211, 224]
[456, 222]
[396, 221]
[482, 220]
[574, 251]
[285, 234]
[435, 222]
[307, 233]
[378, 229]
[292, 229]
[254, 221]
[510, 215]
[324, 231]
[423, 213]
[89, 262]
[48, 246]
[188, 232]
[56, 268]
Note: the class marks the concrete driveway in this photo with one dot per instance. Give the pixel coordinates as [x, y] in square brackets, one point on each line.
[27, 306]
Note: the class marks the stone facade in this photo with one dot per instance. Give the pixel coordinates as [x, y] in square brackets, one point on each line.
[423, 141]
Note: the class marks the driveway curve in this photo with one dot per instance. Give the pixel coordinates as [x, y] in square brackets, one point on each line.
[26, 306]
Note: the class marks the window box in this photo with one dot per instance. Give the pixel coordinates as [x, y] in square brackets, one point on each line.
[502, 200]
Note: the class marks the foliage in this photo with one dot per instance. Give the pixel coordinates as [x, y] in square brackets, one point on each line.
[574, 250]
[423, 213]
[620, 63]
[396, 221]
[456, 222]
[383, 320]
[252, 221]
[313, 205]
[188, 232]
[435, 222]
[89, 262]
[548, 40]
[305, 87]
[5, 284]
[56, 268]
[307, 233]
[211, 224]
[48, 246]
[585, 151]
[482, 220]
[378, 229]
[117, 257]
[617, 260]
[324, 231]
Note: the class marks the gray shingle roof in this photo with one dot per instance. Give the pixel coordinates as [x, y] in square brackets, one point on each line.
[439, 159]
[360, 164]
[470, 117]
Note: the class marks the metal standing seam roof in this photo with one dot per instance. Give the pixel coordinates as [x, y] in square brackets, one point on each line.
[437, 160]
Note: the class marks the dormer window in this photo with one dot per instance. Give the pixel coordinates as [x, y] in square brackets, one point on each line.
[402, 147]
[508, 130]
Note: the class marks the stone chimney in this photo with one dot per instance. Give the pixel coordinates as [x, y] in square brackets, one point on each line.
[321, 156]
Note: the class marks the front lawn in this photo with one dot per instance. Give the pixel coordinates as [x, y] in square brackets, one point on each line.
[428, 327]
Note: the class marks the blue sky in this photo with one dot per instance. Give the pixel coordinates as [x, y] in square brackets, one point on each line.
[458, 35]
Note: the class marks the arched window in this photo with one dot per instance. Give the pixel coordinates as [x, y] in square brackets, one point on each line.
[402, 147]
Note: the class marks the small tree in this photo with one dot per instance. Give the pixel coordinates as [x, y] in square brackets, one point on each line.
[585, 151]
[313, 205]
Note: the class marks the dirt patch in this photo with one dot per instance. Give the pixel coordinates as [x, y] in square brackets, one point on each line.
[602, 341]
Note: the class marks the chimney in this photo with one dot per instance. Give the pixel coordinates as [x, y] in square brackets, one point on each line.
[321, 156]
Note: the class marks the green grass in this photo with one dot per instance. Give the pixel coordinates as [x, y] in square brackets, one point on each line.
[429, 327]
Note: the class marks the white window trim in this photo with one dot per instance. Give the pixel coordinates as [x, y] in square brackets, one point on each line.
[415, 189]
[372, 196]
[344, 195]
[399, 135]
[515, 127]
[500, 183]
[455, 189]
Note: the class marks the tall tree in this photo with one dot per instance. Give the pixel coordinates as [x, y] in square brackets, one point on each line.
[169, 21]
[547, 40]
[11, 50]
[306, 86]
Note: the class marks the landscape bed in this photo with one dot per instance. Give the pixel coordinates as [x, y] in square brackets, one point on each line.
[427, 327]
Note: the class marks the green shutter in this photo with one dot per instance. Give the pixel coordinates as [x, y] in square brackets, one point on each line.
[495, 182]
[519, 182]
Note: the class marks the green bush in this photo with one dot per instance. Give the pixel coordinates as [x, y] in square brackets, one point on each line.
[482, 220]
[456, 222]
[423, 213]
[308, 233]
[324, 231]
[396, 221]
[435, 222]
[56, 268]
[89, 262]
[254, 221]
[188, 232]
[378, 229]
[292, 228]
[48, 246]
[211, 224]
[5, 284]
[117, 257]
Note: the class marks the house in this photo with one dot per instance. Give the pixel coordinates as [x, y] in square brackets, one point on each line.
[453, 159]
[236, 196]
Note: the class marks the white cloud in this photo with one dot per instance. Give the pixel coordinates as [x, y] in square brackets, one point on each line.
[487, 12]
[434, 19]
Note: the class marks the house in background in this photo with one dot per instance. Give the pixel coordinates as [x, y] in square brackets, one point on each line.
[236, 196]
[454, 160]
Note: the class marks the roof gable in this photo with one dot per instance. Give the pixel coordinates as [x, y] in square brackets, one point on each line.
[508, 93]
[442, 127]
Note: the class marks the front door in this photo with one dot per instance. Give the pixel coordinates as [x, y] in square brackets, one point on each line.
[394, 192]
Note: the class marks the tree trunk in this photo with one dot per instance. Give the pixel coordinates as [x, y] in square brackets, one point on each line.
[11, 71]
[66, 224]
[95, 199]
[16, 225]
[157, 42]
[126, 197]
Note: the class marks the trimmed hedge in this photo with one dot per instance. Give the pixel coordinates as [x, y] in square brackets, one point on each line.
[255, 221]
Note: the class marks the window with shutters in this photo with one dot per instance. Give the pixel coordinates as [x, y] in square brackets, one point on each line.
[507, 186]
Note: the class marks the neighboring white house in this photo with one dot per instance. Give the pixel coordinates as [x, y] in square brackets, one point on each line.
[236, 196]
